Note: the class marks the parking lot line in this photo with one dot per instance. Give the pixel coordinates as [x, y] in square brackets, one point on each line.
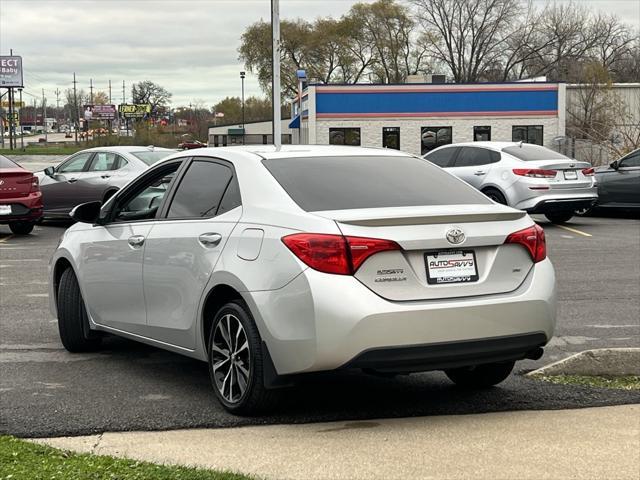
[2, 240]
[573, 230]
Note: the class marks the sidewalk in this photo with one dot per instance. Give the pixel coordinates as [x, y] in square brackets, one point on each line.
[564, 444]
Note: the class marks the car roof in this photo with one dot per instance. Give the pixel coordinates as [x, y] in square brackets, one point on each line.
[260, 152]
[128, 148]
[490, 145]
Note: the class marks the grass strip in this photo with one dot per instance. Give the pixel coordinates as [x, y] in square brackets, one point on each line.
[20, 459]
[629, 382]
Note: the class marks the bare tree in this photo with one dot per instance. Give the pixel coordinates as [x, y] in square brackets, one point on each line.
[152, 93]
[468, 36]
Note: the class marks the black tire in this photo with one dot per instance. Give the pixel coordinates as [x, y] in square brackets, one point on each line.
[21, 228]
[73, 322]
[255, 398]
[495, 195]
[480, 376]
[559, 217]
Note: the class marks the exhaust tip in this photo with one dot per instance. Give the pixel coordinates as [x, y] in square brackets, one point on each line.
[535, 354]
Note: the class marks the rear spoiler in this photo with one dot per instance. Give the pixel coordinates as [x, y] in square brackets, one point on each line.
[380, 217]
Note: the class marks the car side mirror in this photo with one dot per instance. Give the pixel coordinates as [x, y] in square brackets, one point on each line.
[49, 171]
[86, 212]
[614, 165]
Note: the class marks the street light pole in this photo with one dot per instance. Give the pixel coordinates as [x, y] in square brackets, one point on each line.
[242, 74]
[275, 72]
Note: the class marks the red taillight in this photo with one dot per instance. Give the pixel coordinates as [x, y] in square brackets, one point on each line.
[534, 172]
[533, 240]
[589, 172]
[335, 253]
[33, 181]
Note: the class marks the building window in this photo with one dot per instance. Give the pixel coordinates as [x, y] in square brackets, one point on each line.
[481, 134]
[391, 137]
[433, 137]
[527, 134]
[344, 136]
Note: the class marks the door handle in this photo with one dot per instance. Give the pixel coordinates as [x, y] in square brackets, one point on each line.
[71, 180]
[105, 176]
[479, 173]
[136, 241]
[210, 239]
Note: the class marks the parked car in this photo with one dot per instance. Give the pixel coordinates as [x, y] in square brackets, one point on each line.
[93, 174]
[189, 143]
[20, 197]
[268, 263]
[618, 185]
[524, 176]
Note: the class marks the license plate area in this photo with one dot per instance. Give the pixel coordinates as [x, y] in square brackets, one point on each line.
[570, 175]
[451, 266]
[5, 209]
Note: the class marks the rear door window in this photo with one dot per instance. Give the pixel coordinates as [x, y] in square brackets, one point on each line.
[201, 190]
[103, 161]
[474, 156]
[342, 183]
[443, 157]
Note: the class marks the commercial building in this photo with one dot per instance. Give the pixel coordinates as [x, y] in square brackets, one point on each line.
[251, 133]
[419, 117]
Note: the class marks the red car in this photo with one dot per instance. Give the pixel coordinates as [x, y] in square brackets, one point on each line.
[20, 197]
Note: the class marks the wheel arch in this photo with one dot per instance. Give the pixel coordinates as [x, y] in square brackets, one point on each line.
[59, 267]
[493, 186]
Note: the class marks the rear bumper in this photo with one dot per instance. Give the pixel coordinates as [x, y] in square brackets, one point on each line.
[323, 322]
[445, 355]
[27, 209]
[561, 204]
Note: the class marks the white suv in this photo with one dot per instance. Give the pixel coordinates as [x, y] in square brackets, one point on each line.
[521, 175]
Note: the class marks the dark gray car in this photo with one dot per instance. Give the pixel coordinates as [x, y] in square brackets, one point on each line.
[93, 174]
[619, 184]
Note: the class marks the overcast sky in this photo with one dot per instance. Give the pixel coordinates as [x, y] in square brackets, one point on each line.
[188, 46]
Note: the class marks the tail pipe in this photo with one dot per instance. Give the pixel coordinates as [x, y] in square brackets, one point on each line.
[535, 354]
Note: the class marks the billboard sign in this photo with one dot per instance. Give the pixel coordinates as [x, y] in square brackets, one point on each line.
[137, 110]
[11, 72]
[99, 112]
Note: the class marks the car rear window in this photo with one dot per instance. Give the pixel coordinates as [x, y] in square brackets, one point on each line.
[343, 183]
[152, 157]
[529, 152]
[6, 163]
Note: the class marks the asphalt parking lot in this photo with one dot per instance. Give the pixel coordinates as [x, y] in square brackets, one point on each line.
[45, 391]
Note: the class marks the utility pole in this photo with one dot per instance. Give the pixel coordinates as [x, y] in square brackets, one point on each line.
[109, 92]
[91, 90]
[44, 117]
[75, 107]
[123, 94]
[20, 121]
[57, 108]
[275, 72]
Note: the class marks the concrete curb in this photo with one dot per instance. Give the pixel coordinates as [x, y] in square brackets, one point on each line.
[613, 362]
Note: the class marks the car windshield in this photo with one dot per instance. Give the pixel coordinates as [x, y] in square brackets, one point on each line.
[529, 152]
[6, 163]
[342, 183]
[151, 157]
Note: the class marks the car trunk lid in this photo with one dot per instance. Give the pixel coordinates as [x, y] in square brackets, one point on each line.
[15, 182]
[421, 232]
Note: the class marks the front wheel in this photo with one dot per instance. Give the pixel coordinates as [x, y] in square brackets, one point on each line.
[236, 361]
[559, 217]
[21, 228]
[73, 321]
[480, 376]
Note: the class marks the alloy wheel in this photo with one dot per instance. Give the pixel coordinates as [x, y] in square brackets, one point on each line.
[231, 358]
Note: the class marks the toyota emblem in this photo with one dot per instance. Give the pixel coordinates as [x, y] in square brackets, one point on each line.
[455, 236]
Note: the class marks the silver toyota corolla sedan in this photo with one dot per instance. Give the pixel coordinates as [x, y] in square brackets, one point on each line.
[524, 176]
[269, 263]
[93, 174]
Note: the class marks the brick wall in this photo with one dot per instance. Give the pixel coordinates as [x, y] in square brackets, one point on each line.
[371, 129]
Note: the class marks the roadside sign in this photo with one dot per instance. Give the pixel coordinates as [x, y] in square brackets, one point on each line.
[16, 104]
[99, 112]
[136, 110]
[11, 71]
